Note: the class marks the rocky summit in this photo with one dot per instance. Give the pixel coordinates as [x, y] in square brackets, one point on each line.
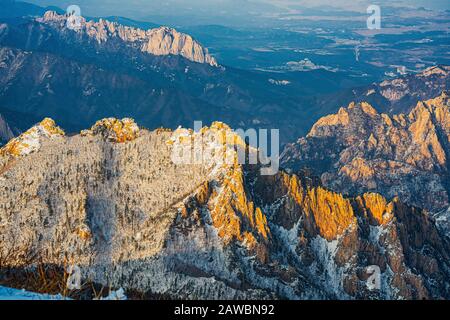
[114, 129]
[30, 140]
[401, 94]
[158, 41]
[113, 202]
[359, 150]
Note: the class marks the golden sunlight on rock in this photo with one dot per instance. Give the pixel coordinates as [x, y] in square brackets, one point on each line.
[376, 207]
[114, 130]
[30, 140]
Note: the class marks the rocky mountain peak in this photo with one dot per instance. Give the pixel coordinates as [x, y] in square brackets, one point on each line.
[359, 150]
[377, 208]
[158, 41]
[354, 114]
[363, 106]
[30, 141]
[217, 148]
[53, 16]
[114, 130]
[441, 102]
[430, 127]
[400, 95]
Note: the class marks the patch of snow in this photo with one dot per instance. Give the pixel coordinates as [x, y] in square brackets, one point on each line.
[332, 275]
[374, 236]
[443, 221]
[18, 294]
[116, 295]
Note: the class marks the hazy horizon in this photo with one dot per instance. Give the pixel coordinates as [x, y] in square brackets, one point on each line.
[227, 11]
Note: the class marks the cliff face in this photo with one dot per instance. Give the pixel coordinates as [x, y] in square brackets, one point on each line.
[336, 239]
[131, 217]
[159, 41]
[359, 150]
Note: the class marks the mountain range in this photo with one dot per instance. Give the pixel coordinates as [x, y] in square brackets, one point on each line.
[165, 78]
[156, 76]
[363, 190]
[359, 149]
[111, 201]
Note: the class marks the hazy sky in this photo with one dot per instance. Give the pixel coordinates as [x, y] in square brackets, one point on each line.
[363, 4]
[226, 4]
[140, 9]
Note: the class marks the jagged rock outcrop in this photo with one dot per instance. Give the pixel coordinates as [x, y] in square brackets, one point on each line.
[142, 215]
[359, 150]
[400, 95]
[338, 239]
[30, 141]
[114, 130]
[159, 41]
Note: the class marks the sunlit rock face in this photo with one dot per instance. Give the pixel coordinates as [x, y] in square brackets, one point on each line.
[30, 141]
[114, 130]
[359, 150]
[159, 41]
[112, 201]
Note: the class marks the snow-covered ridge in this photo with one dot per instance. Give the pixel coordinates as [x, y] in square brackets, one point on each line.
[191, 231]
[111, 129]
[22, 294]
[212, 146]
[158, 41]
[30, 141]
